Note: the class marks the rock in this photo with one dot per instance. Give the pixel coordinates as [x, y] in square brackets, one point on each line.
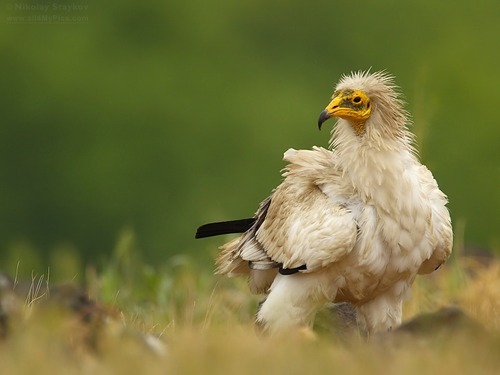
[447, 323]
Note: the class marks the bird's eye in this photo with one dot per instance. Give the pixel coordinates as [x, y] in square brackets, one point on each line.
[357, 99]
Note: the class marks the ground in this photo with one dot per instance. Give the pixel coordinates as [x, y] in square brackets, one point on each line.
[134, 319]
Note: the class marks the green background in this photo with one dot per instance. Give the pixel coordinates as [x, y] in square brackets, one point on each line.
[153, 118]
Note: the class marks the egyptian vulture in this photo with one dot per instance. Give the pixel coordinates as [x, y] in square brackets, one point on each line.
[354, 223]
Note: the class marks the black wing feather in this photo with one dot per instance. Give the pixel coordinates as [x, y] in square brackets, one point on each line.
[224, 227]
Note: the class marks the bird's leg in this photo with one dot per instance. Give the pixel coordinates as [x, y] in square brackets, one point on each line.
[381, 314]
[291, 304]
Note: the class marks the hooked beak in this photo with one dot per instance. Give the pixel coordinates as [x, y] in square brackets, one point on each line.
[323, 116]
[330, 111]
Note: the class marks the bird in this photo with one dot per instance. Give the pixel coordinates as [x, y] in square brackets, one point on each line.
[355, 222]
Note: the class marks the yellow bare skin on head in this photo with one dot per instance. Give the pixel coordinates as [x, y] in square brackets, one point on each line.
[351, 105]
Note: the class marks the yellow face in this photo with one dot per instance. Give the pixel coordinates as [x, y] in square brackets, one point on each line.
[352, 105]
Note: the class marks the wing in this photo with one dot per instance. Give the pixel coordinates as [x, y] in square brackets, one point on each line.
[441, 236]
[298, 227]
[303, 228]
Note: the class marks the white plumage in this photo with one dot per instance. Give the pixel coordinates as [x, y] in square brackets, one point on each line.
[355, 223]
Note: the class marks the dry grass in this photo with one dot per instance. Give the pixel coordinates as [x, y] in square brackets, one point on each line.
[205, 325]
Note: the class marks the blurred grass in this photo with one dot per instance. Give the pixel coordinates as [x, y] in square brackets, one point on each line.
[206, 325]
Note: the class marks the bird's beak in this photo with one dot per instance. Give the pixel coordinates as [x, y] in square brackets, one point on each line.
[331, 110]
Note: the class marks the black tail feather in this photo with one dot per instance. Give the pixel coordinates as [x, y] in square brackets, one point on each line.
[291, 271]
[224, 227]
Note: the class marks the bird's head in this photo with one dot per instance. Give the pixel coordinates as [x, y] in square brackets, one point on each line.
[352, 105]
[361, 97]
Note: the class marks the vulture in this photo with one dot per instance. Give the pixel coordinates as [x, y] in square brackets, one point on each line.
[352, 223]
